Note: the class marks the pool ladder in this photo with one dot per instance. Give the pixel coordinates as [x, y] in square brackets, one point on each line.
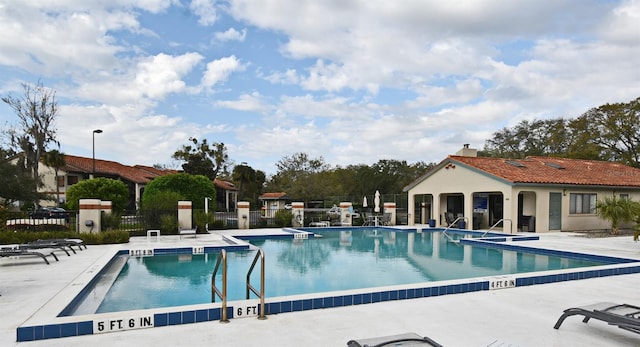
[496, 224]
[465, 218]
[455, 222]
[222, 261]
[250, 288]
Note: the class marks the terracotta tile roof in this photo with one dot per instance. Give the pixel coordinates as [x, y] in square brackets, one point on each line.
[136, 174]
[548, 170]
[156, 171]
[273, 196]
[226, 185]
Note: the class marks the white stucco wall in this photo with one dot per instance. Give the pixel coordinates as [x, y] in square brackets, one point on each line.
[460, 179]
[466, 181]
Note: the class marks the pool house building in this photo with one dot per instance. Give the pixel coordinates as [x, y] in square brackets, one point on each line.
[534, 194]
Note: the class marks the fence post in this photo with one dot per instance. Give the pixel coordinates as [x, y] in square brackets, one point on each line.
[346, 209]
[184, 215]
[390, 207]
[89, 215]
[243, 214]
[297, 208]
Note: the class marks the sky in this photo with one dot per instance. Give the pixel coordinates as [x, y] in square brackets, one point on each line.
[351, 81]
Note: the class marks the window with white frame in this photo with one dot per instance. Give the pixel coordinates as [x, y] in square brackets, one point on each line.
[624, 196]
[582, 203]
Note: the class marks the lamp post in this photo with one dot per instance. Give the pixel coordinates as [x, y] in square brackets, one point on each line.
[93, 135]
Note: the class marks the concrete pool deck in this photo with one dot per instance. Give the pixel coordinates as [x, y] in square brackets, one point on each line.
[521, 316]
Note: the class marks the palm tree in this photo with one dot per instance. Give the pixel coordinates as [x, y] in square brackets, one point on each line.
[55, 159]
[617, 211]
[243, 175]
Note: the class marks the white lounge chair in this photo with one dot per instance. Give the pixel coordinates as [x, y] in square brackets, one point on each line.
[11, 251]
[408, 339]
[624, 316]
[188, 232]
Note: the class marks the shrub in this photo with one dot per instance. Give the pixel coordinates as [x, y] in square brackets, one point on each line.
[617, 211]
[168, 224]
[107, 237]
[216, 224]
[158, 205]
[283, 218]
[194, 188]
[110, 221]
[106, 189]
[201, 220]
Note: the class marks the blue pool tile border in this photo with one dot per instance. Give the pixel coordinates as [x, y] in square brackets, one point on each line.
[40, 332]
[488, 243]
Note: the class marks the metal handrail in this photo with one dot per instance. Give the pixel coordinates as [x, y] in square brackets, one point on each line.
[250, 288]
[222, 259]
[502, 220]
[444, 232]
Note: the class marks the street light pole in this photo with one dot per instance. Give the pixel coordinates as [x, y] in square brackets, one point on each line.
[93, 135]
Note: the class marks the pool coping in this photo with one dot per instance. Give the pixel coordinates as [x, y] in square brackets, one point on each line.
[42, 325]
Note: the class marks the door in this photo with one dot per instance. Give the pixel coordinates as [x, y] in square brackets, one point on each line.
[555, 211]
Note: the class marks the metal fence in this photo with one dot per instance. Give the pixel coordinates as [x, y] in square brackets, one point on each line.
[139, 221]
[30, 221]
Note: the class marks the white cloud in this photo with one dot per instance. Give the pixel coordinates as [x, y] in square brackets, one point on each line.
[288, 77]
[253, 102]
[231, 35]
[352, 81]
[622, 25]
[220, 69]
[162, 74]
[205, 10]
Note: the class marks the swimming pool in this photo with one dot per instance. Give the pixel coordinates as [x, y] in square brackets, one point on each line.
[369, 243]
[335, 260]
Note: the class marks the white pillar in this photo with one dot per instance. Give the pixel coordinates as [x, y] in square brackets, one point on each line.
[243, 214]
[468, 210]
[297, 208]
[105, 207]
[390, 207]
[89, 216]
[345, 213]
[410, 208]
[184, 215]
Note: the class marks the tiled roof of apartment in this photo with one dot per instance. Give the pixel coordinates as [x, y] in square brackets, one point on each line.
[137, 174]
[226, 185]
[156, 171]
[549, 170]
[273, 196]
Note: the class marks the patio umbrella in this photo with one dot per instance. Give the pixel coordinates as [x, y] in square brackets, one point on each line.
[376, 201]
[364, 202]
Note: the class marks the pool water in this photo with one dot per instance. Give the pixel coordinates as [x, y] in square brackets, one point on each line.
[334, 261]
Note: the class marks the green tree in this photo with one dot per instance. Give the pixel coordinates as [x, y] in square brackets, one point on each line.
[538, 137]
[105, 189]
[610, 132]
[194, 188]
[582, 141]
[243, 175]
[308, 179]
[15, 183]
[55, 159]
[161, 210]
[249, 182]
[617, 211]
[392, 175]
[618, 129]
[36, 109]
[297, 176]
[203, 158]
